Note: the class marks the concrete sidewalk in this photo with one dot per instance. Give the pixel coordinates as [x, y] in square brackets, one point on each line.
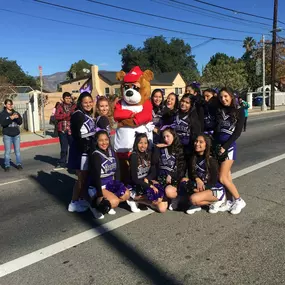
[36, 139]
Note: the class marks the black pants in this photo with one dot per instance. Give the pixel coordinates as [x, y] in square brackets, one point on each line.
[244, 125]
[65, 140]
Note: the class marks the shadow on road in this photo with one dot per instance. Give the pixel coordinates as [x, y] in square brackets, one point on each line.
[151, 270]
[47, 159]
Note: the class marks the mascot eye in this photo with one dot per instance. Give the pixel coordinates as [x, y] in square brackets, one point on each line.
[136, 88]
[126, 87]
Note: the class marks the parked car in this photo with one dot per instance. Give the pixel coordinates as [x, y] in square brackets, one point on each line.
[257, 100]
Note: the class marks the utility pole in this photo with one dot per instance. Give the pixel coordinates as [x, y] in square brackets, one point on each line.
[264, 107]
[273, 56]
[42, 99]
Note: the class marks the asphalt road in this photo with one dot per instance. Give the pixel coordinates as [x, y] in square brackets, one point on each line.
[170, 248]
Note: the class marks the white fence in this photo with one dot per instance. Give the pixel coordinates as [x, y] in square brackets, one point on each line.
[279, 98]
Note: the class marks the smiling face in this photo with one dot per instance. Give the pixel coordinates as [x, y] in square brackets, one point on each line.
[103, 107]
[225, 98]
[157, 98]
[103, 142]
[185, 105]
[170, 101]
[143, 145]
[87, 104]
[168, 137]
[200, 145]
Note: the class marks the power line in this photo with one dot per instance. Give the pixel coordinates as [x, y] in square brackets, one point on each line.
[170, 19]
[236, 11]
[202, 44]
[218, 13]
[132, 22]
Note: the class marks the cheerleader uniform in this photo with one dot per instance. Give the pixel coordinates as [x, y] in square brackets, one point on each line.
[103, 123]
[229, 129]
[140, 169]
[210, 116]
[168, 116]
[83, 129]
[157, 113]
[105, 173]
[210, 178]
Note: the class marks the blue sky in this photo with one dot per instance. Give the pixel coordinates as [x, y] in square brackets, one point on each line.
[55, 46]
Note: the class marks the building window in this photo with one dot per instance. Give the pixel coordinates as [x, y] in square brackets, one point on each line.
[107, 91]
[75, 91]
[178, 91]
[117, 91]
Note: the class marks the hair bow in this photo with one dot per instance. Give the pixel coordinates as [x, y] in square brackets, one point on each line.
[196, 84]
[167, 126]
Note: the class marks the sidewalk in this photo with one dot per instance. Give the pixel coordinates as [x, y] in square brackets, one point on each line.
[36, 139]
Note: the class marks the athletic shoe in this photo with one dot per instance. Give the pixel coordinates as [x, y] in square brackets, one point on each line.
[174, 204]
[193, 209]
[83, 203]
[74, 206]
[97, 215]
[238, 205]
[226, 207]
[112, 212]
[215, 206]
[19, 167]
[134, 206]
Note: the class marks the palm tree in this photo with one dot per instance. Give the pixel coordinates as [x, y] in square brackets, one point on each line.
[249, 43]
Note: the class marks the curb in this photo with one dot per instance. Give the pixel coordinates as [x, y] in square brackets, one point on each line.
[263, 112]
[34, 143]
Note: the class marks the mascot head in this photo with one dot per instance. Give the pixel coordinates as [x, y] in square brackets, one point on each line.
[135, 86]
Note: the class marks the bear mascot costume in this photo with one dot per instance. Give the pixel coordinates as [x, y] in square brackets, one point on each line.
[133, 113]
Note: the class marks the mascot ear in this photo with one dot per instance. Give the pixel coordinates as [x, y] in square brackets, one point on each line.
[148, 75]
[120, 75]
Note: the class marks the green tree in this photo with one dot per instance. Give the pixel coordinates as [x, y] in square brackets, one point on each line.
[78, 69]
[14, 74]
[224, 71]
[161, 56]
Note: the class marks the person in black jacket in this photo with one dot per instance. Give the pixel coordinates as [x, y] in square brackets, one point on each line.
[10, 121]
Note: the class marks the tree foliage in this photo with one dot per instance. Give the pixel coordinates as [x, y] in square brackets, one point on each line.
[14, 75]
[78, 69]
[225, 71]
[161, 56]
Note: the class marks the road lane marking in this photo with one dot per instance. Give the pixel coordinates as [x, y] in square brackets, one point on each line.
[41, 254]
[65, 244]
[278, 124]
[15, 181]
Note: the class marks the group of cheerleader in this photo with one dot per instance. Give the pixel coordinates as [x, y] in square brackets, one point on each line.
[186, 166]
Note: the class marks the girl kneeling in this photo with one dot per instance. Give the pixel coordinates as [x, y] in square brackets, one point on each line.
[104, 172]
[143, 171]
[203, 172]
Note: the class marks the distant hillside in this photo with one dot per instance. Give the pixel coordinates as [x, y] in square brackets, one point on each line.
[51, 81]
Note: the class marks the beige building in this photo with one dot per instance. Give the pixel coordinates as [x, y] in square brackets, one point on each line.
[105, 83]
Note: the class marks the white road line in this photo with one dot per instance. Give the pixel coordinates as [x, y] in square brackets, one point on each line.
[278, 124]
[41, 254]
[11, 182]
[65, 244]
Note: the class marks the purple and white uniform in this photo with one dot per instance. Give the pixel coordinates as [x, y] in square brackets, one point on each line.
[167, 163]
[182, 127]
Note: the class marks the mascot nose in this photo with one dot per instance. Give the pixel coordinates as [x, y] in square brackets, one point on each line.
[129, 93]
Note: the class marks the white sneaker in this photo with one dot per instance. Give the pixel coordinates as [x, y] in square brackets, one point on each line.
[97, 215]
[174, 204]
[83, 203]
[226, 207]
[75, 206]
[193, 209]
[112, 212]
[215, 206]
[238, 205]
[134, 206]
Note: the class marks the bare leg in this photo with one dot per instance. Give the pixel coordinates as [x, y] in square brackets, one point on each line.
[203, 198]
[80, 185]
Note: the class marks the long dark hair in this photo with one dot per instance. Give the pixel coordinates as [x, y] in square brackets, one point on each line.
[206, 155]
[141, 156]
[155, 107]
[96, 137]
[195, 86]
[234, 106]
[79, 102]
[177, 148]
[176, 100]
[187, 96]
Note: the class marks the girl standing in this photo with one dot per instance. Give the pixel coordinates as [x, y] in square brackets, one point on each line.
[105, 174]
[171, 164]
[10, 120]
[157, 112]
[103, 114]
[83, 130]
[143, 171]
[171, 106]
[203, 173]
[230, 121]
